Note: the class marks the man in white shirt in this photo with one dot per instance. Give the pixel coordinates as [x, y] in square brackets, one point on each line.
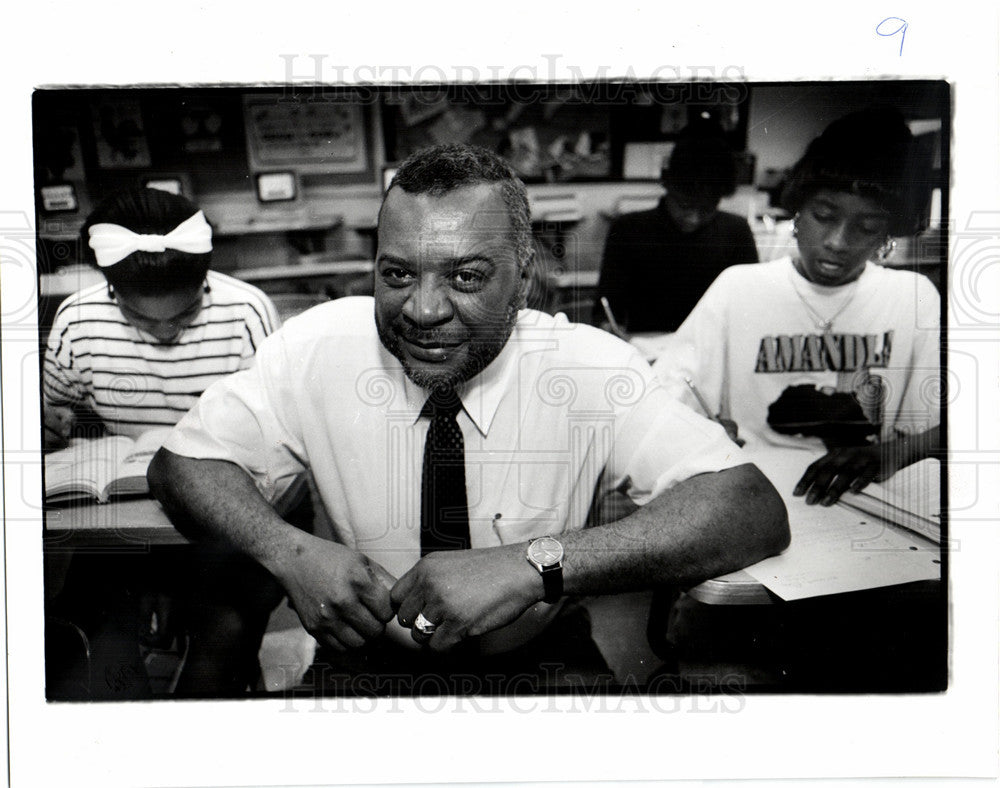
[550, 415]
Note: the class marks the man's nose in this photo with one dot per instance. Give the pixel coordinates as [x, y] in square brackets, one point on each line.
[429, 304]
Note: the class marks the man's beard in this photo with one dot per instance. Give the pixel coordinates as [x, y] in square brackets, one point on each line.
[481, 350]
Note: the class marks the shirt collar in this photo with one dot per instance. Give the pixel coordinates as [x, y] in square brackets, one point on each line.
[481, 396]
[867, 272]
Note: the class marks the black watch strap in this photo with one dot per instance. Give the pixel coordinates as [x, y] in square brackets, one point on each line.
[552, 581]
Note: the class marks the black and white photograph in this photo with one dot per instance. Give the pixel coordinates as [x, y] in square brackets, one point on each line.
[523, 404]
[602, 387]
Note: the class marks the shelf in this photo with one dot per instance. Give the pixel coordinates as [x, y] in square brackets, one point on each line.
[283, 223]
[557, 208]
[305, 271]
[73, 278]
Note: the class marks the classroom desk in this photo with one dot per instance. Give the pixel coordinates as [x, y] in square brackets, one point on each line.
[736, 588]
[784, 467]
[833, 549]
[128, 525]
[134, 525]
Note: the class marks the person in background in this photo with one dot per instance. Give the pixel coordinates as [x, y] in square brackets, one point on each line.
[133, 354]
[137, 350]
[828, 349]
[457, 441]
[658, 263]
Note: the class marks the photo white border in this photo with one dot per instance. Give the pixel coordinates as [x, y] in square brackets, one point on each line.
[263, 743]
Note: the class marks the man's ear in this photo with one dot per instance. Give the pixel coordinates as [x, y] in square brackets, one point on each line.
[529, 280]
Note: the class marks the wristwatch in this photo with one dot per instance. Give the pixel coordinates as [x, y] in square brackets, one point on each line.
[545, 554]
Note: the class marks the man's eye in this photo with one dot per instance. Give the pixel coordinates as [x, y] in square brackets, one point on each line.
[469, 278]
[823, 216]
[396, 275]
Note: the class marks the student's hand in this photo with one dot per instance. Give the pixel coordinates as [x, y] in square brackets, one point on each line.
[732, 430]
[58, 425]
[341, 596]
[841, 470]
[466, 593]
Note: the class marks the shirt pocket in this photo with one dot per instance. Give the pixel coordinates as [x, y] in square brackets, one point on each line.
[514, 531]
[537, 500]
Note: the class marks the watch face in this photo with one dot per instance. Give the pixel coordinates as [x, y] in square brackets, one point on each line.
[545, 551]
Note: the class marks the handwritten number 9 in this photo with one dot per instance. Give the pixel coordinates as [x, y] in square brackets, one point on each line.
[900, 30]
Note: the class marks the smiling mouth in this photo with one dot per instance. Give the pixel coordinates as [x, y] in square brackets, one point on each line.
[429, 350]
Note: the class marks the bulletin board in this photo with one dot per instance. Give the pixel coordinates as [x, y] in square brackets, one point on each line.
[545, 132]
[560, 133]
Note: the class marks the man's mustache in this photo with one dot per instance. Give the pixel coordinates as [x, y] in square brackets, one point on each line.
[426, 337]
[429, 337]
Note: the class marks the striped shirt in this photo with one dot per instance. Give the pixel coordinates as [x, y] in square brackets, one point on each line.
[96, 359]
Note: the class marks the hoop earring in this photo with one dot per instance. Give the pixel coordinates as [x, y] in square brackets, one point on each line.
[207, 288]
[795, 225]
[886, 250]
[111, 292]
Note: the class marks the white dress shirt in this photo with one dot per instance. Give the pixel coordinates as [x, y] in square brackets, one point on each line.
[563, 410]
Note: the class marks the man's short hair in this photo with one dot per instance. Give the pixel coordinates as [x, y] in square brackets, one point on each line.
[440, 169]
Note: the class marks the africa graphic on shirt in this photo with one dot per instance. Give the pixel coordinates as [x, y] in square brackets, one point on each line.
[842, 415]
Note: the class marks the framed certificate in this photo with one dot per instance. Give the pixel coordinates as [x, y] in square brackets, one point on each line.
[315, 136]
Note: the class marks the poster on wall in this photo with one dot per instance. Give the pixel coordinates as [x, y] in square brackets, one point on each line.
[119, 134]
[313, 136]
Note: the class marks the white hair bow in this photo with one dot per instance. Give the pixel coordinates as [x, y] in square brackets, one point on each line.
[112, 242]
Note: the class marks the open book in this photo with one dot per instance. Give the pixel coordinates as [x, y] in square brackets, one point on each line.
[911, 499]
[101, 468]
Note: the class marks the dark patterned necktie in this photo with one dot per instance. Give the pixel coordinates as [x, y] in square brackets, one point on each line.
[444, 510]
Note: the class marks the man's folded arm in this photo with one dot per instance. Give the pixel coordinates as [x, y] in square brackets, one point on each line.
[217, 501]
[705, 526]
[341, 596]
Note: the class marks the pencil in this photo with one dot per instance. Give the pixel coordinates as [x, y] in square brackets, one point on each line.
[701, 399]
[708, 411]
[617, 329]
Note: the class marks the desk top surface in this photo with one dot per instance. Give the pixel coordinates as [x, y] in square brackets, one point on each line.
[137, 523]
[834, 549]
[128, 523]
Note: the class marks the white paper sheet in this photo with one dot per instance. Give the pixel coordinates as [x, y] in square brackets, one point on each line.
[833, 549]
